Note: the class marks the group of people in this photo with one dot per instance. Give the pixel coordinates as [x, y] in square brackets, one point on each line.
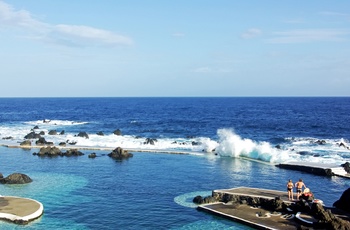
[298, 186]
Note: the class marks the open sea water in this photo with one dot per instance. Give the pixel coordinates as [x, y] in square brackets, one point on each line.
[230, 142]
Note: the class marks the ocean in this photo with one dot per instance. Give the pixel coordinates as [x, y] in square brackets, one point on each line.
[228, 142]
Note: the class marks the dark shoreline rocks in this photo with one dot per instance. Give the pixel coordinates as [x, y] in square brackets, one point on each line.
[54, 152]
[344, 201]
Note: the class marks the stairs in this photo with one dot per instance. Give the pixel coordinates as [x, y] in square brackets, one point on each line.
[339, 171]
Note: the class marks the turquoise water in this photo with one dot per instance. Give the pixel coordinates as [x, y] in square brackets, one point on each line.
[155, 190]
[148, 191]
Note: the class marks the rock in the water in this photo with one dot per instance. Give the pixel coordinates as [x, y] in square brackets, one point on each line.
[83, 134]
[52, 132]
[32, 135]
[72, 152]
[26, 143]
[120, 153]
[16, 178]
[117, 132]
[49, 151]
[92, 155]
[346, 167]
[150, 141]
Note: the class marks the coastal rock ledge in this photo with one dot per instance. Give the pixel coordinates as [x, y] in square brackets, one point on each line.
[15, 178]
[119, 154]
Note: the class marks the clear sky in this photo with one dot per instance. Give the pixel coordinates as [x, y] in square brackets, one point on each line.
[123, 48]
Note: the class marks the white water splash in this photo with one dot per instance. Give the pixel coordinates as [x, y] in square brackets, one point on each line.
[232, 145]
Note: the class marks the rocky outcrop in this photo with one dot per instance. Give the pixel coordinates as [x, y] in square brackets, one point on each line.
[72, 152]
[83, 134]
[120, 154]
[204, 200]
[26, 143]
[320, 142]
[48, 151]
[100, 133]
[52, 132]
[268, 204]
[346, 167]
[92, 155]
[54, 152]
[71, 142]
[32, 135]
[150, 141]
[344, 202]
[15, 178]
[327, 220]
[42, 141]
[117, 132]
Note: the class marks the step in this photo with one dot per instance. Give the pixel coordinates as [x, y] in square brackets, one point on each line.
[339, 171]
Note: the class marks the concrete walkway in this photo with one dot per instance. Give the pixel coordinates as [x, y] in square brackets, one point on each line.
[258, 217]
[19, 210]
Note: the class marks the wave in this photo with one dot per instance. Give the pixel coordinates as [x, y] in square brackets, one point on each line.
[228, 143]
[293, 149]
[233, 145]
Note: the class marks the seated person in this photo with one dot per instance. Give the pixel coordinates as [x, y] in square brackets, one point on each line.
[307, 195]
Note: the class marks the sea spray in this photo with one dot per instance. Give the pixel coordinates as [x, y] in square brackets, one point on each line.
[232, 145]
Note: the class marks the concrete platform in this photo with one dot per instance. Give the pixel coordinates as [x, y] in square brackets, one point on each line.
[316, 168]
[19, 210]
[258, 217]
[247, 215]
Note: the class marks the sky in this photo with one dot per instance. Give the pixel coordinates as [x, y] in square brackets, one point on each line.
[180, 48]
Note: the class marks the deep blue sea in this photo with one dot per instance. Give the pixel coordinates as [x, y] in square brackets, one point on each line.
[229, 142]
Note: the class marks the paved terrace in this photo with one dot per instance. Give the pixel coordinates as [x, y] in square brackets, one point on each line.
[257, 217]
[19, 210]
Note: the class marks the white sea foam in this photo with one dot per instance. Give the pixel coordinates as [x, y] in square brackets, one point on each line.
[231, 144]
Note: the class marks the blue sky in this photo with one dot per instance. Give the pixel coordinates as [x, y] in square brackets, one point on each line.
[123, 48]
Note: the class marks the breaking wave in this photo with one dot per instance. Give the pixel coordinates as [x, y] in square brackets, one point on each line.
[227, 143]
[232, 145]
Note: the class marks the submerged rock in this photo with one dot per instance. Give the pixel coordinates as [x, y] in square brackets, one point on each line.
[92, 155]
